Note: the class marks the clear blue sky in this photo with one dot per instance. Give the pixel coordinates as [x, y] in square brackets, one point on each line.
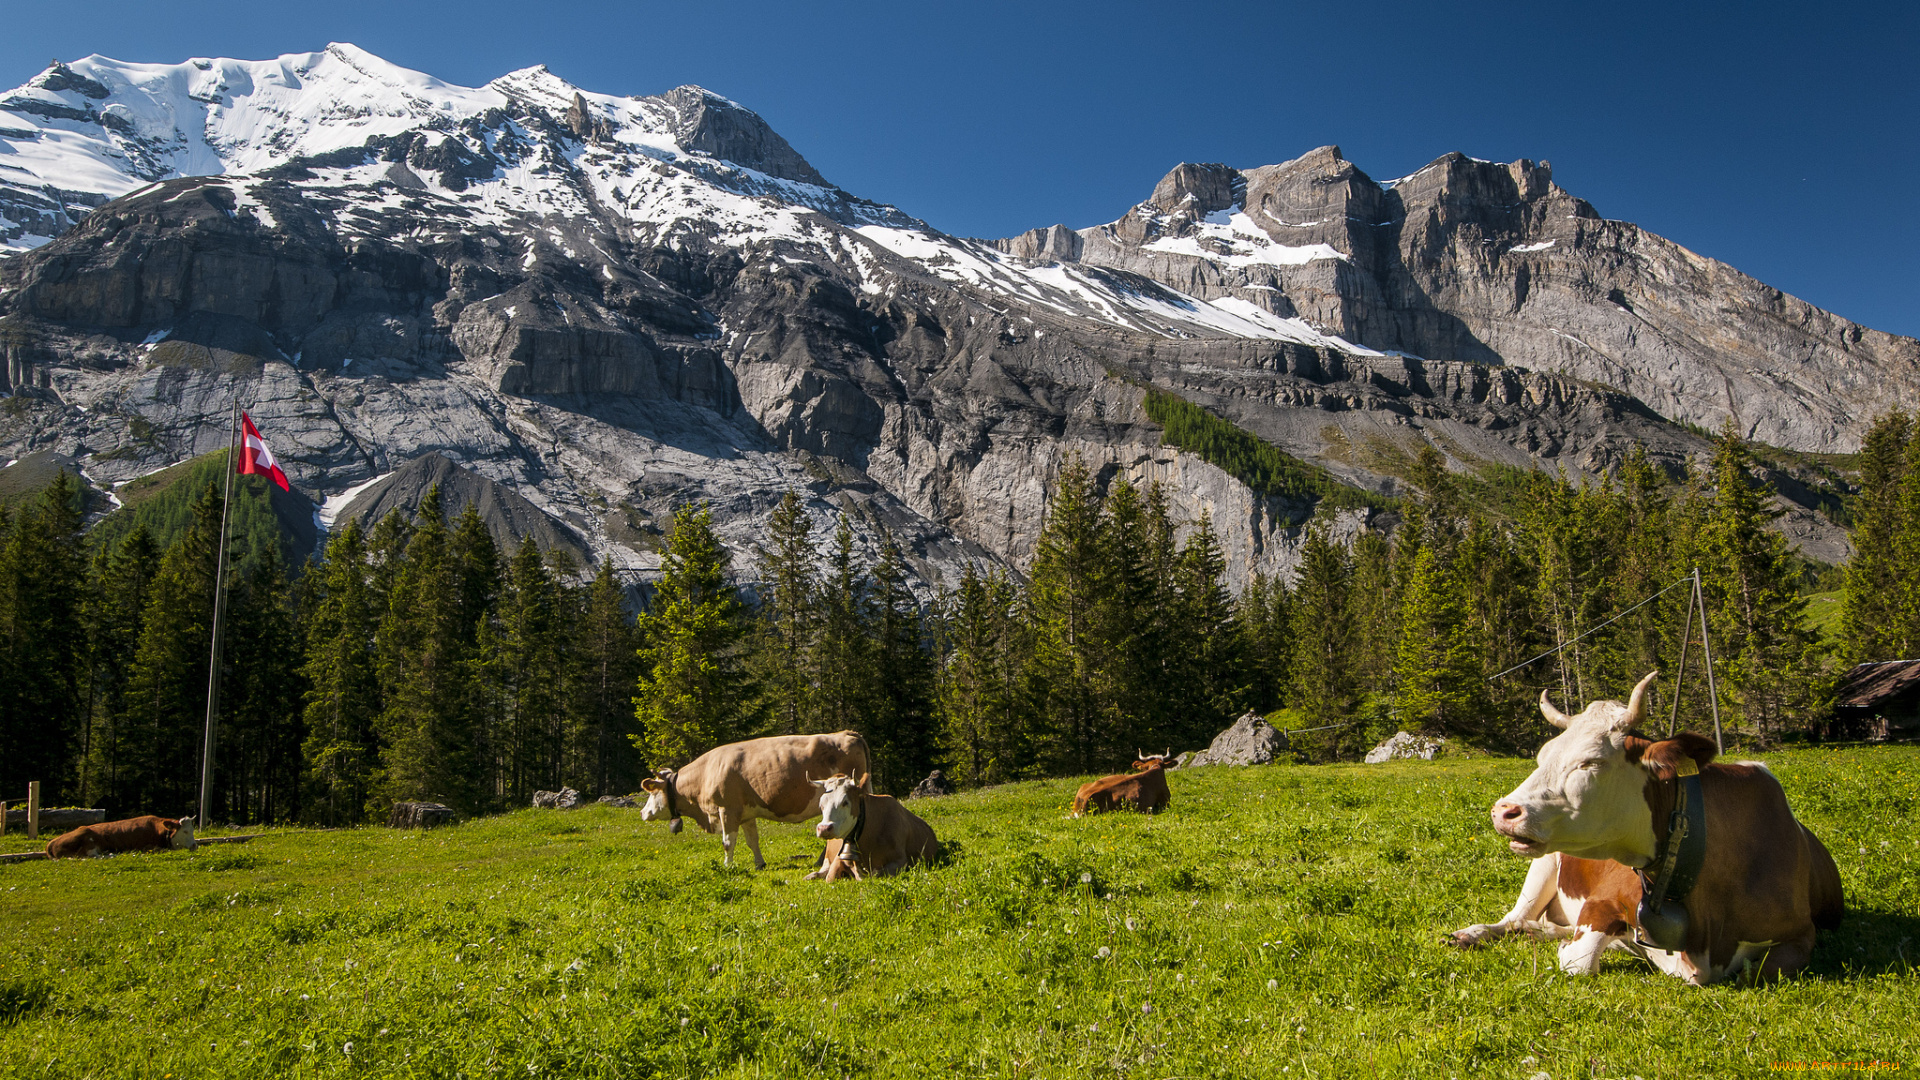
[1779, 138]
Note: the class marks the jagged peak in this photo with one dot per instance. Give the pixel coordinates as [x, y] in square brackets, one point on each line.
[706, 123]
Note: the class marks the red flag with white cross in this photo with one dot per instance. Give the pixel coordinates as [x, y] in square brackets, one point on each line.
[255, 458]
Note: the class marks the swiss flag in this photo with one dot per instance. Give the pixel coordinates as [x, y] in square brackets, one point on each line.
[255, 458]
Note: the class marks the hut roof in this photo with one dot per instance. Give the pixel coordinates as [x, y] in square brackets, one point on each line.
[1867, 685]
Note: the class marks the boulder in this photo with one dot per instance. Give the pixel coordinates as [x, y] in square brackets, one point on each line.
[934, 784]
[1250, 741]
[419, 815]
[564, 799]
[1403, 745]
[624, 802]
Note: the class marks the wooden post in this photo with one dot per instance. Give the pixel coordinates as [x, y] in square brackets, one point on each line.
[3, 817]
[33, 810]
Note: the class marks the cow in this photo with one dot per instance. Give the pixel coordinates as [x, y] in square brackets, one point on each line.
[868, 833]
[1597, 814]
[148, 833]
[729, 788]
[1143, 787]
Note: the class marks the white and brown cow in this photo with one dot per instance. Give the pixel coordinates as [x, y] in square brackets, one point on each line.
[1595, 813]
[868, 833]
[148, 833]
[729, 788]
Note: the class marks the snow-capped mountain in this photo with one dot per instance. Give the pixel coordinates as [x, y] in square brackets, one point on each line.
[604, 305]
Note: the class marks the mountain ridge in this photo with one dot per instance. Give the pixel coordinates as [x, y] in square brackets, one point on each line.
[590, 300]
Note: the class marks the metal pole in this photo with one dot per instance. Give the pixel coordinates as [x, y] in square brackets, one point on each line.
[1680, 677]
[1706, 650]
[219, 611]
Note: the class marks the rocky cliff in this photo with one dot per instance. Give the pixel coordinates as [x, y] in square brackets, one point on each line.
[581, 310]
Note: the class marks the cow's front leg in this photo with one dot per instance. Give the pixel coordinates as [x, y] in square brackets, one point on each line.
[750, 829]
[1543, 881]
[1581, 956]
[727, 827]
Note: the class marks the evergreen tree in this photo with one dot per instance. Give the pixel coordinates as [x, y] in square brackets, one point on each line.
[166, 701]
[1903, 638]
[844, 694]
[43, 577]
[527, 659]
[1214, 668]
[343, 703]
[116, 603]
[1065, 595]
[1873, 626]
[609, 669]
[257, 747]
[1321, 673]
[790, 614]
[904, 731]
[1436, 676]
[429, 748]
[1751, 587]
[694, 690]
[981, 697]
[1265, 616]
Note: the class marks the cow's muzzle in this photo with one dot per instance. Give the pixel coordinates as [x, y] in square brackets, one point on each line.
[1510, 821]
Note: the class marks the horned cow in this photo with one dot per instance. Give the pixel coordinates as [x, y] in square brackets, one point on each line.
[868, 833]
[148, 833]
[1142, 788]
[1594, 817]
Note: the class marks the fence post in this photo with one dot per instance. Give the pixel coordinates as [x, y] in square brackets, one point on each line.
[3, 817]
[33, 810]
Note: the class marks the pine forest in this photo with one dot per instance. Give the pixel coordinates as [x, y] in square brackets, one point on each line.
[416, 659]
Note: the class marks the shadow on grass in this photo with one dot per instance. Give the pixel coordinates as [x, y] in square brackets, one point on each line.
[1868, 943]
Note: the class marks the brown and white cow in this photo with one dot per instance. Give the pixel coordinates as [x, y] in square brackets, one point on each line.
[729, 788]
[868, 833]
[1143, 787]
[1594, 813]
[148, 833]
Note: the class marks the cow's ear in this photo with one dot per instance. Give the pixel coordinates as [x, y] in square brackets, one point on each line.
[650, 784]
[1668, 753]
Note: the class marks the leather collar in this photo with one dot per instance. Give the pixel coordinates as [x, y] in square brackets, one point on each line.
[1668, 880]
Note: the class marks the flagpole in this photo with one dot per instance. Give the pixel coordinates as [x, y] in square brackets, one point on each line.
[219, 611]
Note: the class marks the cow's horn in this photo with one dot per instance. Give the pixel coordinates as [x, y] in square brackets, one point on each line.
[1637, 703]
[1554, 716]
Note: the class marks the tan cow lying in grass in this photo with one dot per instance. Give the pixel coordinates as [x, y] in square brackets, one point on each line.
[867, 833]
[727, 789]
[1595, 815]
[148, 833]
[1143, 787]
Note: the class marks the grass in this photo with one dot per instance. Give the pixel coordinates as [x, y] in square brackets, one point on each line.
[1281, 921]
[1260, 465]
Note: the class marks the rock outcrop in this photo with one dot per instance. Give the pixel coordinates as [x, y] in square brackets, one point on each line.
[579, 311]
[1402, 746]
[1250, 741]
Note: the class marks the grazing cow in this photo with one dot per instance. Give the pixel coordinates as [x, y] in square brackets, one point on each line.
[867, 833]
[1746, 884]
[729, 788]
[133, 834]
[1143, 787]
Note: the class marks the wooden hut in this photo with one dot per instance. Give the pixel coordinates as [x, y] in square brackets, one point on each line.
[1879, 701]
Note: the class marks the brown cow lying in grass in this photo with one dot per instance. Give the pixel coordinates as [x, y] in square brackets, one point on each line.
[1144, 788]
[148, 833]
[867, 833]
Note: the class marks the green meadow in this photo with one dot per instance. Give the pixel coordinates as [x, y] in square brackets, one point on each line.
[1283, 921]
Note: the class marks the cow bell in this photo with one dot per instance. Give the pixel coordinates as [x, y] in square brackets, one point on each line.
[1664, 927]
[674, 826]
